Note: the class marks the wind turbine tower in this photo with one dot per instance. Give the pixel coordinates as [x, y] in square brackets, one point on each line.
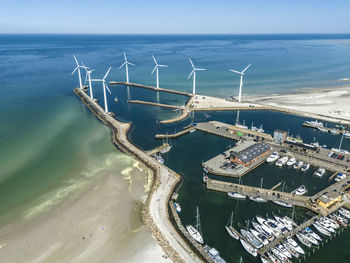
[193, 72]
[156, 69]
[104, 85]
[88, 76]
[126, 64]
[79, 74]
[241, 82]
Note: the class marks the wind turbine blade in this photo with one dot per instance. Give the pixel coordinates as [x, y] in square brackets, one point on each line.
[164, 66]
[155, 61]
[191, 74]
[97, 80]
[76, 61]
[191, 63]
[201, 69]
[108, 88]
[75, 69]
[125, 57]
[86, 75]
[122, 65]
[235, 71]
[131, 64]
[246, 68]
[107, 73]
[154, 70]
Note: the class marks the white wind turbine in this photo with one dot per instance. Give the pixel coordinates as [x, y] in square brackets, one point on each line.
[77, 68]
[241, 82]
[88, 76]
[194, 76]
[126, 63]
[104, 85]
[156, 69]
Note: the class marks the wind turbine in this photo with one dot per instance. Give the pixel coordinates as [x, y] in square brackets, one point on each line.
[88, 75]
[194, 75]
[156, 69]
[77, 68]
[126, 63]
[104, 85]
[241, 83]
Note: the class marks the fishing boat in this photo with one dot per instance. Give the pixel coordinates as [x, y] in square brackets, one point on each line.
[273, 157]
[320, 172]
[344, 212]
[254, 128]
[177, 207]
[281, 203]
[261, 237]
[301, 190]
[251, 250]
[303, 240]
[195, 231]
[291, 161]
[251, 238]
[305, 167]
[298, 165]
[230, 230]
[321, 229]
[236, 195]
[281, 161]
[340, 177]
[295, 245]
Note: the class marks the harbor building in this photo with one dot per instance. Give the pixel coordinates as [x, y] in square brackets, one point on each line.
[250, 154]
[329, 199]
[279, 136]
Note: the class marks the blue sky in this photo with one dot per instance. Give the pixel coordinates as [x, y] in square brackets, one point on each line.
[175, 16]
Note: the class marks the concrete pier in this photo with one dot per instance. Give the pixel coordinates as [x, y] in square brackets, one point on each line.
[157, 149]
[155, 104]
[185, 112]
[174, 135]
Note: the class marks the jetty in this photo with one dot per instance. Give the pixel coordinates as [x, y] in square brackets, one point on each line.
[174, 135]
[157, 149]
[155, 104]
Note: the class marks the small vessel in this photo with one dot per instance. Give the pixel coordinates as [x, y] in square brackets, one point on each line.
[230, 230]
[330, 222]
[177, 207]
[339, 219]
[305, 167]
[261, 237]
[340, 150]
[158, 158]
[315, 124]
[291, 161]
[344, 212]
[214, 254]
[321, 229]
[251, 238]
[290, 249]
[282, 161]
[281, 203]
[281, 256]
[284, 250]
[340, 177]
[166, 144]
[301, 190]
[312, 233]
[195, 231]
[290, 221]
[254, 128]
[322, 129]
[272, 258]
[309, 238]
[320, 172]
[298, 165]
[264, 230]
[205, 178]
[287, 224]
[236, 195]
[273, 157]
[258, 199]
[263, 260]
[303, 240]
[251, 250]
[274, 227]
[326, 226]
[295, 245]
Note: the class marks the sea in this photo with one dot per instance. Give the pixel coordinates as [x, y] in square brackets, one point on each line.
[50, 142]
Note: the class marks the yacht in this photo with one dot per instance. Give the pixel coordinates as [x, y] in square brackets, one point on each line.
[344, 212]
[282, 161]
[281, 203]
[236, 195]
[281, 248]
[251, 238]
[315, 123]
[273, 157]
[258, 199]
[265, 231]
[301, 190]
[279, 254]
[322, 129]
[321, 229]
[305, 167]
[287, 224]
[340, 177]
[303, 240]
[214, 254]
[274, 227]
[261, 237]
[320, 172]
[298, 165]
[326, 226]
[309, 238]
[312, 233]
[249, 248]
[272, 258]
[290, 249]
[195, 234]
[230, 230]
[339, 219]
[177, 207]
[291, 161]
[263, 260]
[330, 222]
[295, 245]
[290, 221]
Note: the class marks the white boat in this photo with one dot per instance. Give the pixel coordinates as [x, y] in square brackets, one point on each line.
[274, 227]
[290, 249]
[322, 129]
[344, 212]
[177, 207]
[287, 224]
[279, 254]
[282, 161]
[291, 161]
[309, 238]
[236, 195]
[281, 248]
[290, 221]
[321, 229]
[251, 238]
[312, 233]
[315, 123]
[249, 248]
[330, 222]
[305, 167]
[301, 190]
[195, 234]
[261, 237]
[303, 240]
[339, 219]
[320, 172]
[258, 199]
[263, 260]
[158, 158]
[295, 245]
[230, 230]
[298, 165]
[254, 128]
[167, 144]
[340, 177]
[267, 232]
[205, 178]
[273, 157]
[272, 258]
[341, 151]
[326, 226]
[281, 203]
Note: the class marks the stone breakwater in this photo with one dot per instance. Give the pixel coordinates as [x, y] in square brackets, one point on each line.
[155, 214]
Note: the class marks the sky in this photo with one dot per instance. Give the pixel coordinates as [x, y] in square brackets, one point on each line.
[175, 16]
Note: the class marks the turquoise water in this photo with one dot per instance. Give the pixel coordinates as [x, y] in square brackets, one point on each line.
[47, 137]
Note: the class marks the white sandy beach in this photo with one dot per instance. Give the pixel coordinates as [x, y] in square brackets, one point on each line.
[101, 224]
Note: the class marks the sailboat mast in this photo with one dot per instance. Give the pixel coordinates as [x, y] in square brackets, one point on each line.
[198, 222]
[341, 141]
